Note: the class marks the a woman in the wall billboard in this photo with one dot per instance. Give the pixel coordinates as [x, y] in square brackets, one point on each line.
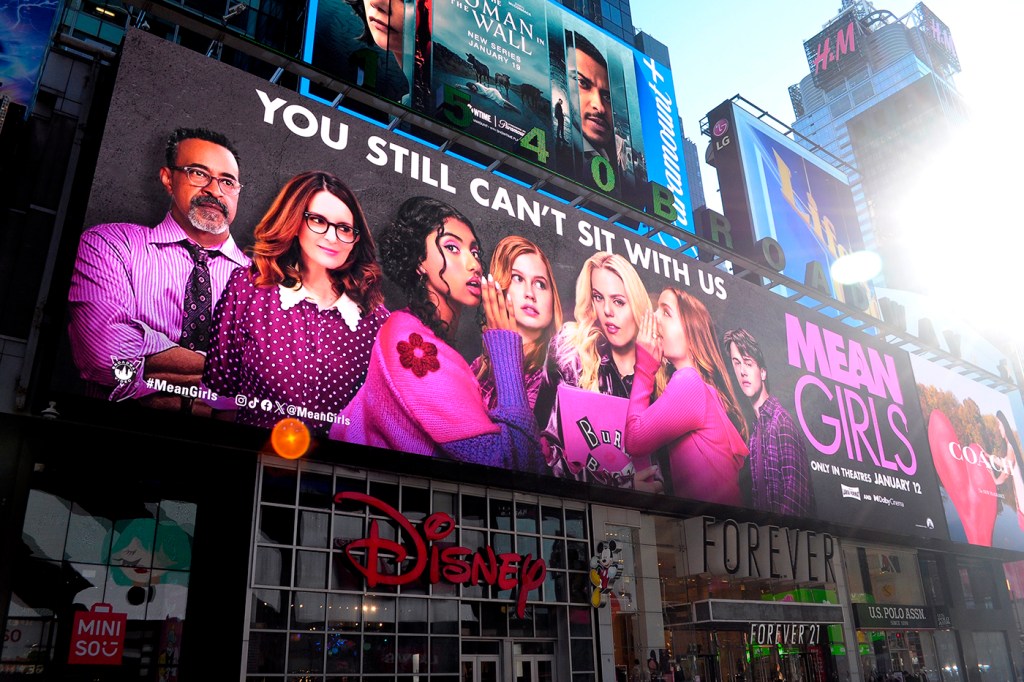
[596, 352]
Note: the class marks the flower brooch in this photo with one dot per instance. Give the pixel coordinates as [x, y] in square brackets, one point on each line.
[418, 355]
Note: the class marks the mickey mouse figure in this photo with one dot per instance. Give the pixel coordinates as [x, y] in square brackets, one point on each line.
[604, 570]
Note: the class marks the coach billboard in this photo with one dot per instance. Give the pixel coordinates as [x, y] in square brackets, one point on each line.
[530, 78]
[360, 315]
[787, 208]
[976, 450]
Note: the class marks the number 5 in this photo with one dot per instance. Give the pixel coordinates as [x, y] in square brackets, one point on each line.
[456, 107]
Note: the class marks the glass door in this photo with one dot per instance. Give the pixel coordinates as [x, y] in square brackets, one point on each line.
[481, 668]
[534, 668]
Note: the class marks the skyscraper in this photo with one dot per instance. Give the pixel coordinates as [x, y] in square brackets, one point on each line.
[613, 16]
[880, 95]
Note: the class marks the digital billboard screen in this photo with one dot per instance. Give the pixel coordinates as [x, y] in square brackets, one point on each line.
[774, 188]
[937, 36]
[976, 449]
[361, 314]
[25, 30]
[835, 50]
[529, 78]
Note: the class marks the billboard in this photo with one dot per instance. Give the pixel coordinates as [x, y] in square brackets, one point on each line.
[791, 413]
[938, 37]
[529, 78]
[832, 52]
[976, 450]
[25, 30]
[774, 189]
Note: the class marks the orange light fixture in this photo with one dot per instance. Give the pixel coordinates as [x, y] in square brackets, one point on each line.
[290, 438]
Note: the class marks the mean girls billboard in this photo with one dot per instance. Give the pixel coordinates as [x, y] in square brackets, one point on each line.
[528, 77]
[360, 273]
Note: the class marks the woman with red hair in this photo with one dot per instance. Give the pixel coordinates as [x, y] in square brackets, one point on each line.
[297, 326]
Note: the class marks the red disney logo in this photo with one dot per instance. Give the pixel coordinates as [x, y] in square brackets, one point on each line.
[457, 565]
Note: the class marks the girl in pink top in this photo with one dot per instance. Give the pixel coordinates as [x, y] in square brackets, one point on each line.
[697, 416]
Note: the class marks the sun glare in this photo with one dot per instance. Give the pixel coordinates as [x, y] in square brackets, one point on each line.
[961, 232]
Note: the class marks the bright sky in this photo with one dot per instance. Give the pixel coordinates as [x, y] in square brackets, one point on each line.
[755, 49]
[960, 210]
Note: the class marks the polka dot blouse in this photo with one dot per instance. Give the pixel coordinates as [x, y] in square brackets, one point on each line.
[268, 344]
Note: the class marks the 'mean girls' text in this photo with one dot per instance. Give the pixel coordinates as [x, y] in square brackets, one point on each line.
[860, 387]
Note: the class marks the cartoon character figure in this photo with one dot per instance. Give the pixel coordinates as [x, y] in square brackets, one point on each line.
[604, 571]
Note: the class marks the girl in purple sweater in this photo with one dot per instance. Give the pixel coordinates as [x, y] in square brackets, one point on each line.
[697, 415]
[521, 268]
[420, 395]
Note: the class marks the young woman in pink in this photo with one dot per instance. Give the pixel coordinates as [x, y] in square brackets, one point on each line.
[697, 416]
[420, 395]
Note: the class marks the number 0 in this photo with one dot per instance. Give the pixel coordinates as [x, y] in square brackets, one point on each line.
[603, 173]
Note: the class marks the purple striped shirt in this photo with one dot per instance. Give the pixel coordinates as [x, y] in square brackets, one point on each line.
[126, 297]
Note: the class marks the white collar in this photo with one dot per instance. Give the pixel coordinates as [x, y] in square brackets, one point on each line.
[291, 297]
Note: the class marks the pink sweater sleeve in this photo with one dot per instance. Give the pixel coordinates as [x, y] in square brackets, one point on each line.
[679, 410]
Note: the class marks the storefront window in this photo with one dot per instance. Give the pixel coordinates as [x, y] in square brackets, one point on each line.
[314, 615]
[123, 565]
[712, 635]
[897, 600]
[977, 584]
[947, 659]
[993, 658]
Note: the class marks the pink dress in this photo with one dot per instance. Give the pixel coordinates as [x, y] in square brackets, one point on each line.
[706, 452]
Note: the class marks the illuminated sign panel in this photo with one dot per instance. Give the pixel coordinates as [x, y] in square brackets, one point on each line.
[832, 51]
[976, 449]
[938, 37]
[846, 401]
[774, 189]
[893, 617]
[529, 78]
[25, 30]
[432, 559]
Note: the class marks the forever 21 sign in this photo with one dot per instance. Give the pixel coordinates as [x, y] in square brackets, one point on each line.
[435, 560]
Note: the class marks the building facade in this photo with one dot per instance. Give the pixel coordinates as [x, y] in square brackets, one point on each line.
[156, 545]
[881, 96]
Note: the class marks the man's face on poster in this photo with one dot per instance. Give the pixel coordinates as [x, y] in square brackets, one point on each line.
[749, 374]
[595, 100]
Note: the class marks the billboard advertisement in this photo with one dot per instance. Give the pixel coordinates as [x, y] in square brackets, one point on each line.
[937, 36]
[832, 52]
[774, 188]
[529, 78]
[25, 30]
[386, 285]
[976, 450]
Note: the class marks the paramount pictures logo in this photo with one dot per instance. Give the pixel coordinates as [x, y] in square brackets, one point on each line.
[851, 491]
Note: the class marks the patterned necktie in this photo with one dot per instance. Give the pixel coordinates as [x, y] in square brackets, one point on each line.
[195, 332]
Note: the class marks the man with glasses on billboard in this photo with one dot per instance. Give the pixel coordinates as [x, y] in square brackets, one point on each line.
[142, 297]
[780, 474]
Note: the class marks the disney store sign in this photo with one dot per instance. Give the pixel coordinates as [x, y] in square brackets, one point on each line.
[378, 559]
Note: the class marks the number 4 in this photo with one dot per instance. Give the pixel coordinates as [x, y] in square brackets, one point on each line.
[536, 142]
